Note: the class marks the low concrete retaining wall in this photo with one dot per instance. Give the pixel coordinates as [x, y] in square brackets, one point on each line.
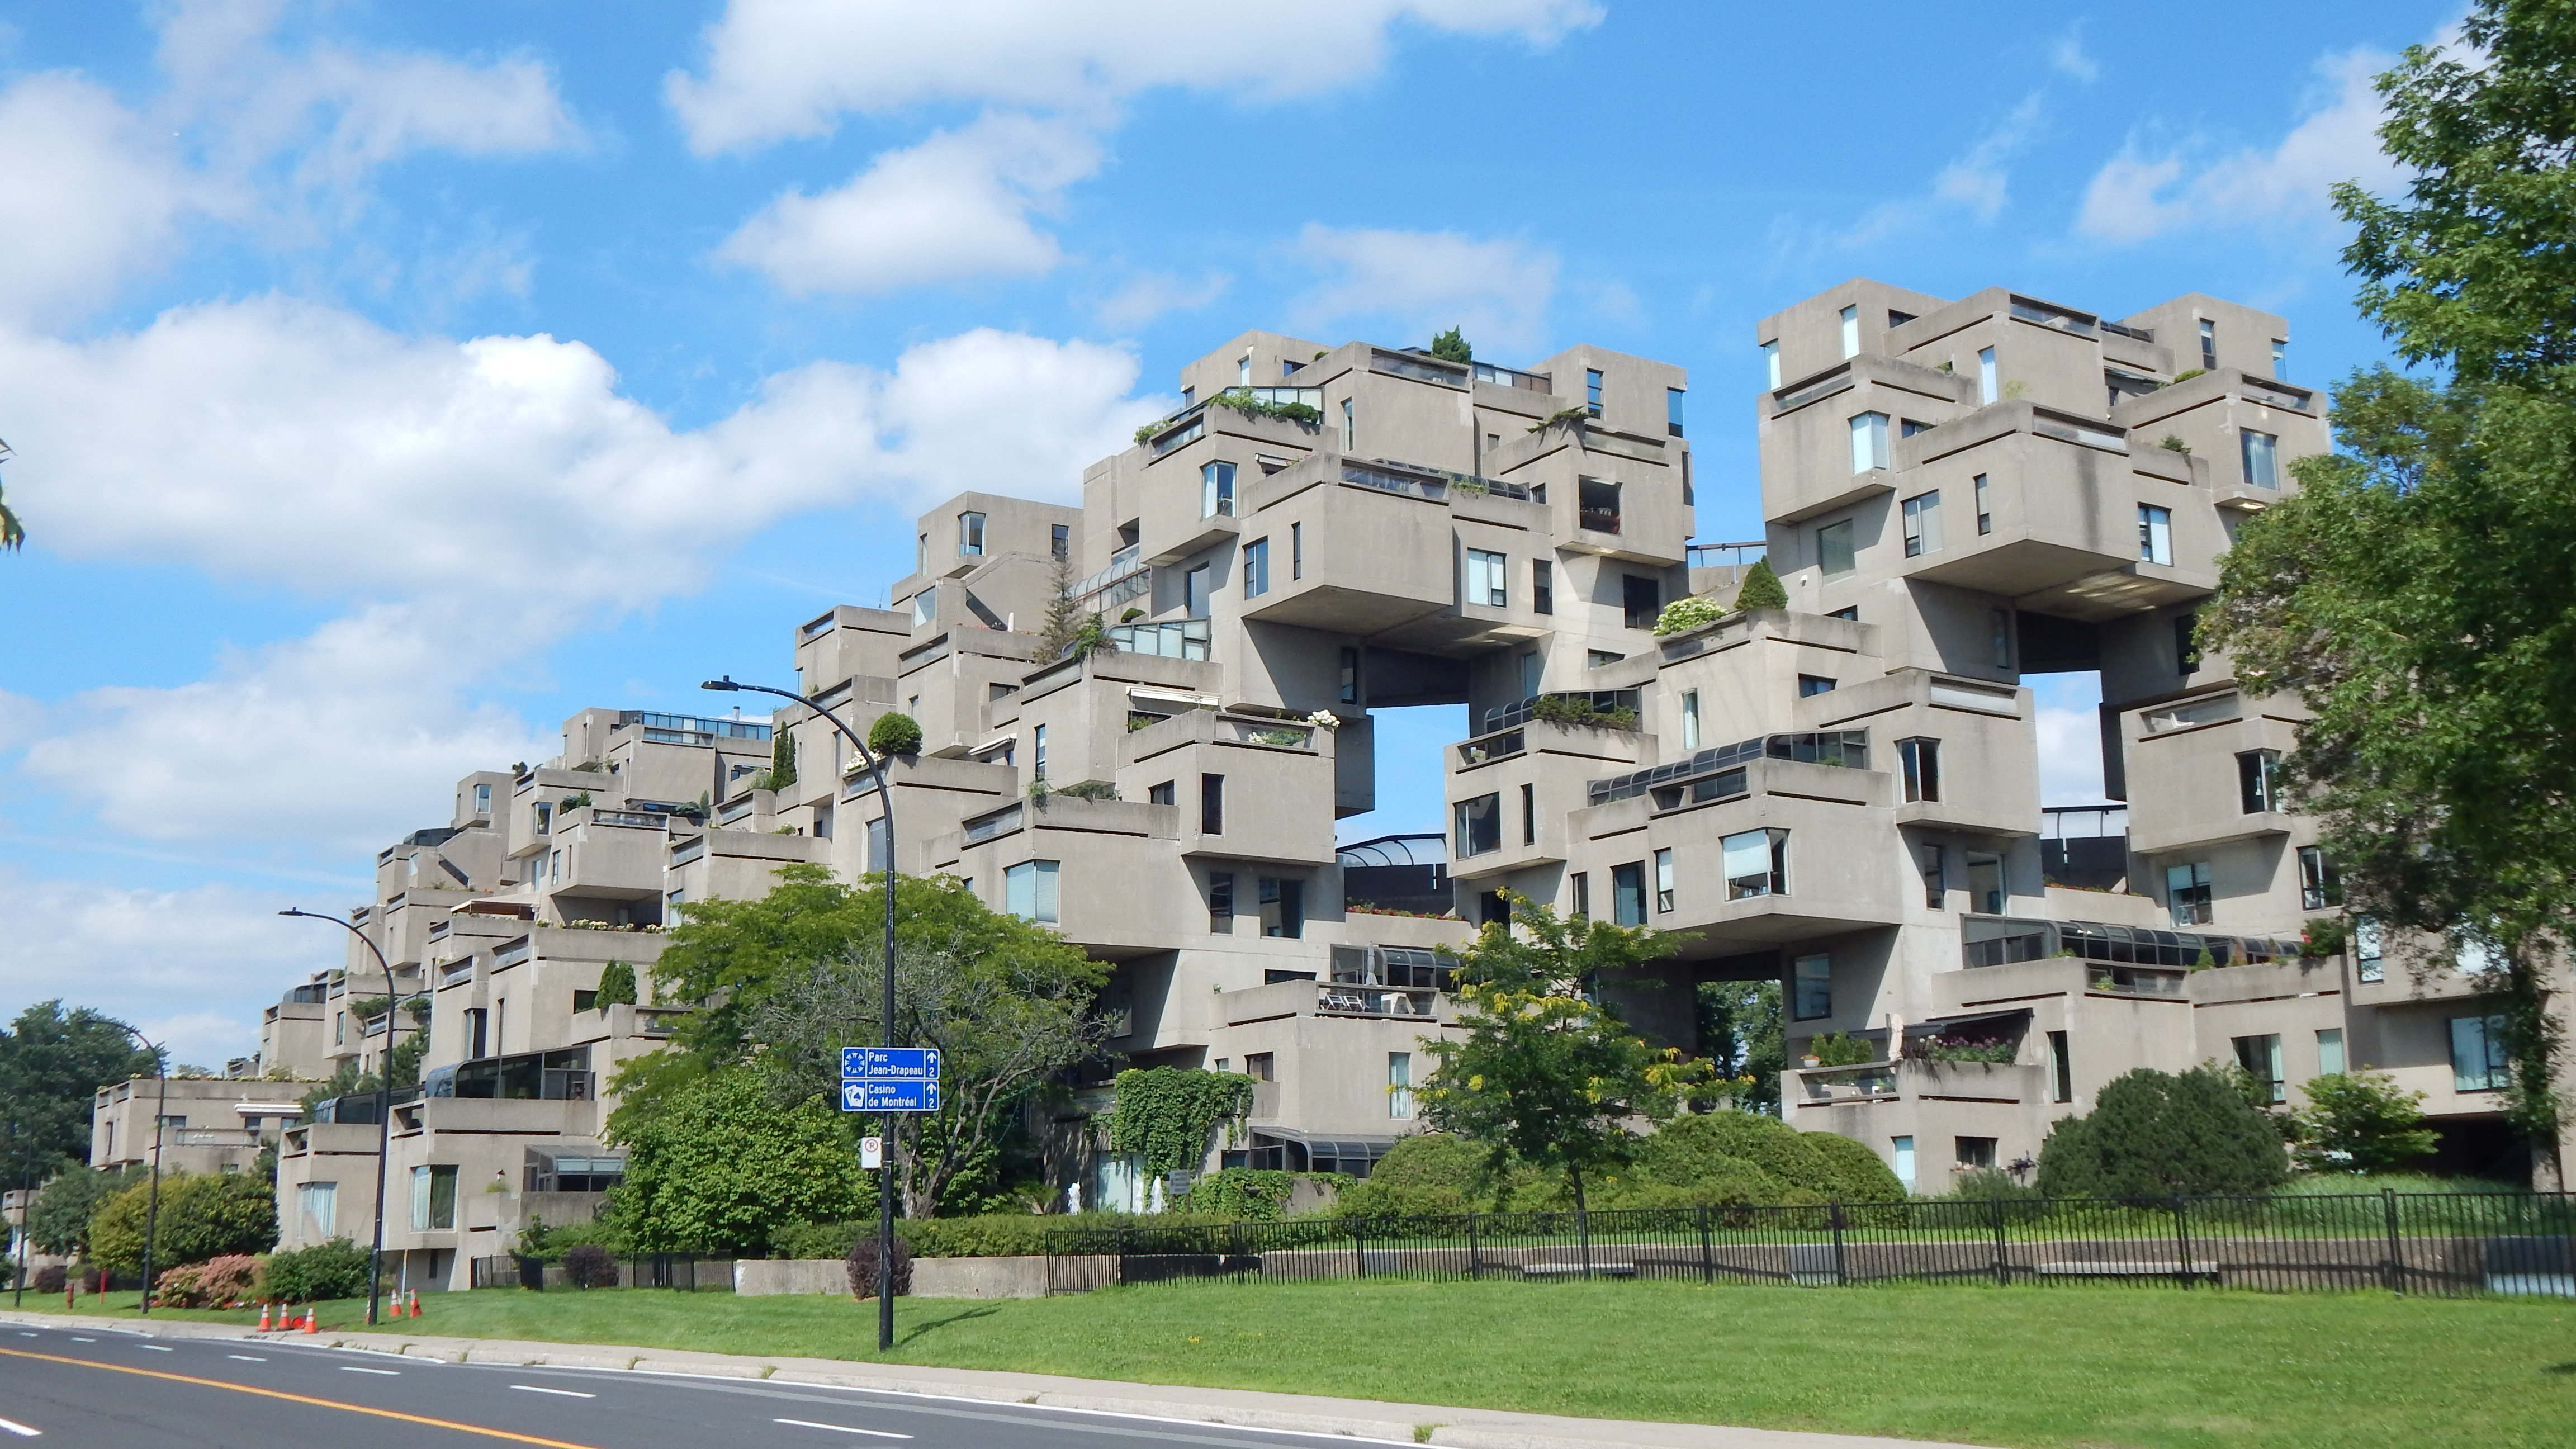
[771, 1277]
[1029, 1277]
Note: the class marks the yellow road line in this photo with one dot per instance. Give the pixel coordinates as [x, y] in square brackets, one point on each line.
[118, 1368]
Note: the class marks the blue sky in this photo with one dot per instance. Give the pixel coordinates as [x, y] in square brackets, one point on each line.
[388, 381]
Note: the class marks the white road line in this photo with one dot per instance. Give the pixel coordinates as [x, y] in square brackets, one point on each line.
[567, 1393]
[842, 1429]
[350, 1368]
[21, 1430]
[246, 1358]
[24, 1334]
[76, 1338]
[156, 1348]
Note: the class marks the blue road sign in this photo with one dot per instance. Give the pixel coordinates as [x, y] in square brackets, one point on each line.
[897, 1064]
[878, 1094]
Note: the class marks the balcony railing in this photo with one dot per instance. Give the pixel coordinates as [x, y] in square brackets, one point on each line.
[1173, 639]
[1264, 732]
[1848, 749]
[1485, 748]
[1419, 367]
[2002, 941]
[1337, 999]
[631, 819]
[1599, 520]
[996, 823]
[1738, 555]
[2045, 315]
[1600, 701]
[1512, 377]
[1122, 564]
[1412, 968]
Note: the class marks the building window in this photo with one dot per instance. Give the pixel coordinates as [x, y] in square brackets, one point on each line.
[925, 607]
[1851, 333]
[1480, 825]
[1975, 1154]
[1243, 370]
[1578, 894]
[1350, 684]
[2330, 1051]
[1756, 863]
[1220, 902]
[1936, 879]
[2366, 959]
[1986, 892]
[1211, 804]
[1194, 593]
[433, 1199]
[1296, 551]
[319, 1202]
[1811, 983]
[2262, 458]
[2155, 534]
[545, 818]
[2319, 886]
[1059, 541]
[1162, 794]
[2061, 1069]
[1600, 658]
[1533, 669]
[970, 534]
[1529, 814]
[478, 1036]
[1985, 511]
[1592, 391]
[2208, 344]
[1038, 753]
[2186, 643]
[1256, 568]
[1869, 442]
[2478, 1059]
[1640, 600]
[1834, 547]
[1921, 761]
[1690, 719]
[1216, 490]
[1922, 524]
[1900, 1151]
[554, 866]
[1283, 907]
[1986, 390]
[1486, 584]
[2281, 358]
[1663, 880]
[2001, 619]
[2260, 1058]
[2258, 781]
[1849, 614]
[1262, 1066]
[1399, 1086]
[1673, 411]
[1814, 684]
[1350, 427]
[2187, 895]
[1771, 363]
[1628, 894]
[877, 847]
[1596, 505]
[1542, 586]
[482, 799]
[1029, 890]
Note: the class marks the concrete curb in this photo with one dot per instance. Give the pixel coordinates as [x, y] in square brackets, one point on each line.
[1238, 1408]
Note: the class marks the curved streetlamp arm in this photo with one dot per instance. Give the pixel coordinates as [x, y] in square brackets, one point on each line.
[384, 1103]
[885, 802]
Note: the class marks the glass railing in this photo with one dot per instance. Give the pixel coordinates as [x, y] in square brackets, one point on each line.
[1123, 564]
[1846, 748]
[1512, 377]
[1492, 747]
[1419, 368]
[1175, 639]
[1599, 701]
[1417, 485]
[999, 822]
[2047, 316]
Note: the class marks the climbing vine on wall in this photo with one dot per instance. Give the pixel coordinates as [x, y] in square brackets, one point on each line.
[1166, 1113]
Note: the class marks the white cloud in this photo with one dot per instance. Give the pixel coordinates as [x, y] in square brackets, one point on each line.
[2138, 194]
[1497, 292]
[954, 207]
[2070, 738]
[88, 197]
[2066, 53]
[1157, 294]
[782, 68]
[190, 968]
[1978, 183]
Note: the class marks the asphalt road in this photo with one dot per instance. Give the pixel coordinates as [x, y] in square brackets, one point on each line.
[63, 1387]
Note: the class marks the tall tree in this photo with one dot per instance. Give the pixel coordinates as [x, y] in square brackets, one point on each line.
[1548, 1074]
[52, 1064]
[2419, 593]
[1740, 1027]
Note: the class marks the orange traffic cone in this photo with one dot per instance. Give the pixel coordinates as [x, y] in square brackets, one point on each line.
[311, 1323]
[263, 1318]
[415, 1303]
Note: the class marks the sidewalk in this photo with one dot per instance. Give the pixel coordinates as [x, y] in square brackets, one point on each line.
[1244, 1408]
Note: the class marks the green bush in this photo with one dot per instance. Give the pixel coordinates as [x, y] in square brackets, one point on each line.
[1834, 1049]
[616, 984]
[1243, 1194]
[1451, 346]
[1689, 613]
[2360, 1122]
[1761, 588]
[336, 1269]
[1434, 1172]
[895, 734]
[1853, 1172]
[203, 1215]
[2156, 1135]
[1578, 712]
[1774, 1147]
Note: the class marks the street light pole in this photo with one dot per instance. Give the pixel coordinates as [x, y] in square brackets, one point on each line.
[160, 1114]
[885, 1168]
[384, 1104]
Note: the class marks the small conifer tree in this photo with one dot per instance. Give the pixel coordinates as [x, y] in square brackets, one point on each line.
[1761, 588]
[1451, 346]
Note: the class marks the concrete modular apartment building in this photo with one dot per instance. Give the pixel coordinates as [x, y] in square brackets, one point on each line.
[1841, 795]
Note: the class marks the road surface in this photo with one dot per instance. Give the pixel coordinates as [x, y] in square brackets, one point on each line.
[62, 1388]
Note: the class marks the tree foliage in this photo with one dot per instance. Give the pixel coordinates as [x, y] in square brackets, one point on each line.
[1761, 588]
[719, 1164]
[2419, 593]
[1165, 1115]
[52, 1063]
[2360, 1122]
[894, 733]
[1547, 1073]
[617, 984]
[58, 1220]
[2157, 1135]
[203, 1215]
[1451, 346]
[1741, 1027]
[336, 1269]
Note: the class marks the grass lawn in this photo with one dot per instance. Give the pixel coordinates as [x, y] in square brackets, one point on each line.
[2071, 1366]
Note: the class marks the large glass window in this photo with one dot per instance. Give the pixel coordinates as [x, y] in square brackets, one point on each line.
[970, 534]
[1628, 894]
[1038, 753]
[1936, 879]
[1211, 804]
[1060, 540]
[2061, 1069]
[1869, 442]
[1596, 504]
[1811, 981]
[2260, 1056]
[1194, 592]
[1542, 586]
[1399, 1085]
[482, 799]
[2155, 534]
[1029, 890]
[1756, 863]
[2258, 781]
[1986, 388]
[1690, 719]
[2208, 344]
[2187, 893]
[1592, 391]
[1480, 825]
[1921, 761]
[1985, 510]
[1220, 902]
[1986, 891]
[1771, 363]
[1901, 1158]
[1283, 907]
[2319, 885]
[1834, 547]
[1641, 599]
[319, 1203]
[2478, 1059]
[2329, 1051]
[1578, 894]
[1529, 813]
[1851, 332]
[1922, 524]
[2367, 961]
[433, 1198]
[1350, 427]
[1216, 490]
[1673, 411]
[1663, 880]
[1488, 579]
[2262, 461]
[1256, 568]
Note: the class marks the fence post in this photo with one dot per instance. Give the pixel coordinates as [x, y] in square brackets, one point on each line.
[1359, 1248]
[2003, 1257]
[1583, 1235]
[2395, 1270]
[1707, 1262]
[2182, 1240]
[1834, 1217]
[1475, 1251]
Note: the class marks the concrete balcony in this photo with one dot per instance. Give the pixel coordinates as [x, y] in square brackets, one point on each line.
[2184, 778]
[1806, 431]
[1283, 999]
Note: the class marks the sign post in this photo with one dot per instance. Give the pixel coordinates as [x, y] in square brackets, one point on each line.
[889, 1080]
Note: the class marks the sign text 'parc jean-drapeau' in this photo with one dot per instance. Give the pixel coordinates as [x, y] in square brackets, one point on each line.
[889, 1079]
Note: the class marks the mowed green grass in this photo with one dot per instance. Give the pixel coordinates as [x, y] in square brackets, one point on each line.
[2057, 1366]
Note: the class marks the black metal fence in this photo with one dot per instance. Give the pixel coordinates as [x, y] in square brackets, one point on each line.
[2445, 1244]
